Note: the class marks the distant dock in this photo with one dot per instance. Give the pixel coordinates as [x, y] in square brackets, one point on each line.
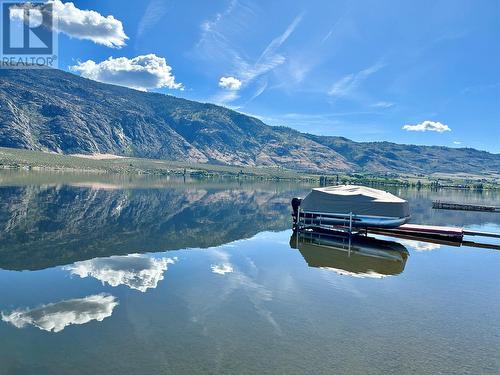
[450, 236]
[463, 207]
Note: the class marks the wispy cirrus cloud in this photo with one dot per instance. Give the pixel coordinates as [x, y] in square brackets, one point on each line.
[261, 87]
[209, 28]
[270, 58]
[225, 97]
[216, 44]
[382, 104]
[428, 126]
[333, 123]
[348, 84]
[140, 73]
[155, 10]
[338, 24]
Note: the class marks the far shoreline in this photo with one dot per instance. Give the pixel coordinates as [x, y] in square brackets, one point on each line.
[102, 164]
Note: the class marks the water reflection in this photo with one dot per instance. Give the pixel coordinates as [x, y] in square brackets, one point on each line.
[240, 307]
[54, 317]
[420, 245]
[222, 269]
[234, 279]
[43, 226]
[139, 272]
[46, 226]
[356, 256]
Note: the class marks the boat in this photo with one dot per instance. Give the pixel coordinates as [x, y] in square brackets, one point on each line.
[350, 206]
[354, 255]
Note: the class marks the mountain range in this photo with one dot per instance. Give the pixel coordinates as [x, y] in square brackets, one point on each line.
[55, 111]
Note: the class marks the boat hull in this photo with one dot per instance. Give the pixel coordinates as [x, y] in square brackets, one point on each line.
[350, 206]
[311, 218]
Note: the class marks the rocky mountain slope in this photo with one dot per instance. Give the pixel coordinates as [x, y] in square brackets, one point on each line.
[51, 110]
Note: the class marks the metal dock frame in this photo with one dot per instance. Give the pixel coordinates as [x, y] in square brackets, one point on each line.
[303, 222]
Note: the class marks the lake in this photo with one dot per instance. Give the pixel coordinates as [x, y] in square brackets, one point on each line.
[121, 275]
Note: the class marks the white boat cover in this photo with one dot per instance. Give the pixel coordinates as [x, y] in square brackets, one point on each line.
[359, 200]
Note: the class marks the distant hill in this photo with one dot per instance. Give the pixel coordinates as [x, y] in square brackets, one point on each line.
[51, 110]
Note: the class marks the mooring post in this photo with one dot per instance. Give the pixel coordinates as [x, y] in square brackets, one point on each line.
[349, 248]
[299, 220]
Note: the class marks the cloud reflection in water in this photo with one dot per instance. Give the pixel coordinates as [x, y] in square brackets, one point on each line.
[420, 245]
[54, 317]
[139, 272]
[222, 269]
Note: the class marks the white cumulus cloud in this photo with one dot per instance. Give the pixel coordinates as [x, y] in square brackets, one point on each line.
[141, 72]
[136, 271]
[54, 317]
[428, 126]
[88, 25]
[230, 83]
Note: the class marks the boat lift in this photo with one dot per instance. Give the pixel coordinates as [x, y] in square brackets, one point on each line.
[444, 235]
[371, 211]
[305, 220]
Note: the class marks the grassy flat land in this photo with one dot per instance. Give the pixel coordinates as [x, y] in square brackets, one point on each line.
[34, 160]
[19, 158]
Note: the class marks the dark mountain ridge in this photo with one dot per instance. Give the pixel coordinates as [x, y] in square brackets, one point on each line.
[55, 111]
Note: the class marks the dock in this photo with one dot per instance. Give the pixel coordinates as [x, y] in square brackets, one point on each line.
[450, 236]
[463, 207]
[442, 235]
[435, 233]
[414, 231]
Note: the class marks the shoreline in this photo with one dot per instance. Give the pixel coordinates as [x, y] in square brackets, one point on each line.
[20, 159]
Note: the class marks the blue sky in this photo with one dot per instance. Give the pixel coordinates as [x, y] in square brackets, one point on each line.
[420, 72]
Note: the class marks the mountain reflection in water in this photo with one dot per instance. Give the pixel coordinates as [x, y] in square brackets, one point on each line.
[54, 224]
[357, 256]
[47, 226]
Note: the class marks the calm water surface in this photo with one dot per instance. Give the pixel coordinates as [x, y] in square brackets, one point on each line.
[105, 275]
